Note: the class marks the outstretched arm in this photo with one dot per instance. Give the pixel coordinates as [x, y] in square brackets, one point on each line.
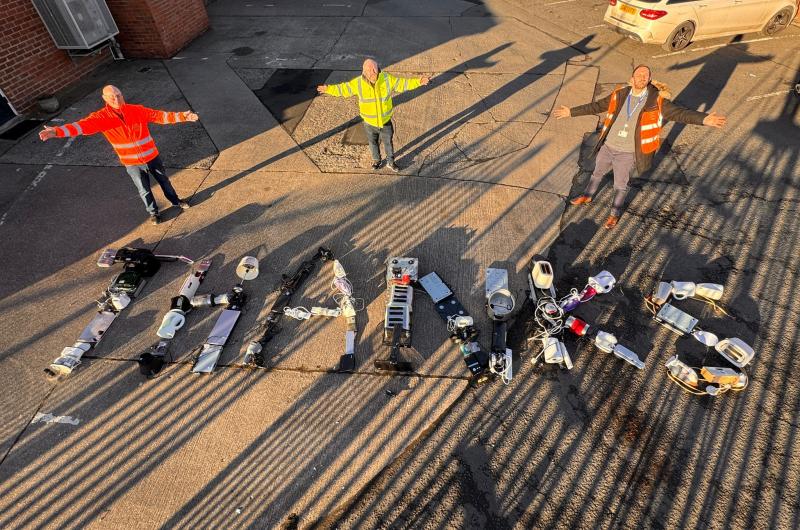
[165, 117]
[595, 107]
[680, 114]
[403, 84]
[91, 124]
[340, 90]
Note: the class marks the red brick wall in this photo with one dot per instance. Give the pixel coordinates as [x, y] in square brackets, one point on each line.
[157, 29]
[30, 63]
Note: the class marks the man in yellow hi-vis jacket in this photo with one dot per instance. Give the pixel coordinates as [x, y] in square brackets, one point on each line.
[374, 89]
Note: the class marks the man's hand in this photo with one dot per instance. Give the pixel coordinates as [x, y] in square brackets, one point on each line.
[714, 120]
[562, 112]
[424, 81]
[190, 116]
[47, 133]
[322, 89]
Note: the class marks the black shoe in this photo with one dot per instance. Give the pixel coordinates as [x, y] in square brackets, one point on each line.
[377, 165]
[155, 218]
[393, 167]
[183, 205]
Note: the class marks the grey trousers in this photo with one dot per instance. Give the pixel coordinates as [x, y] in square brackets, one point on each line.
[623, 164]
[607, 159]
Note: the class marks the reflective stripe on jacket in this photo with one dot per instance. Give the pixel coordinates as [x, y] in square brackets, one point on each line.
[657, 109]
[374, 101]
[650, 122]
[128, 134]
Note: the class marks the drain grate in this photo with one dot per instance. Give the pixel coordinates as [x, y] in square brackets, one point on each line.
[19, 130]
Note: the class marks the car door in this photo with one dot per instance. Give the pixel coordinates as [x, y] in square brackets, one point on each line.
[750, 15]
[715, 17]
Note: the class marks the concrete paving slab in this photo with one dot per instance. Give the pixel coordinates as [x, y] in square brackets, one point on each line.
[507, 45]
[285, 9]
[364, 219]
[578, 87]
[283, 42]
[252, 140]
[517, 97]
[416, 8]
[418, 44]
[49, 282]
[254, 78]
[548, 163]
[239, 449]
[146, 83]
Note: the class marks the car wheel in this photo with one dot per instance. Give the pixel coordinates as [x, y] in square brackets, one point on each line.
[778, 22]
[680, 37]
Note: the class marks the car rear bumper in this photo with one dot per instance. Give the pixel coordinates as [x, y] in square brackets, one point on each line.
[632, 34]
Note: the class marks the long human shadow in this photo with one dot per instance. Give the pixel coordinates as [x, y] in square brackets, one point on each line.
[373, 215]
[95, 468]
[661, 431]
[155, 447]
[550, 61]
[278, 444]
[703, 91]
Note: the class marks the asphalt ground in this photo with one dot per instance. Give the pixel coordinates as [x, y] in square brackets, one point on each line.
[485, 176]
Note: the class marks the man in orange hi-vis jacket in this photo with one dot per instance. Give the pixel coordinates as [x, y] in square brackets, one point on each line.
[125, 128]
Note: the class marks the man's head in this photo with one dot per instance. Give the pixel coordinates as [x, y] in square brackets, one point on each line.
[113, 97]
[640, 77]
[370, 70]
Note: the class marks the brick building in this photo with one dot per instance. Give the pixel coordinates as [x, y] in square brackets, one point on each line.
[32, 66]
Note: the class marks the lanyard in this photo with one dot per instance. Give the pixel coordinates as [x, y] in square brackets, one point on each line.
[628, 103]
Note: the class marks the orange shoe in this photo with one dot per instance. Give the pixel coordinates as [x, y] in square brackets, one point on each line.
[580, 199]
[612, 221]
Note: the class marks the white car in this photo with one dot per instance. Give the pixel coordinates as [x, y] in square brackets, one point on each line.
[675, 23]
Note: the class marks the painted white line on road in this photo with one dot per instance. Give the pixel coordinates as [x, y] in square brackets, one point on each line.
[597, 26]
[65, 146]
[762, 96]
[39, 176]
[560, 2]
[49, 418]
[689, 50]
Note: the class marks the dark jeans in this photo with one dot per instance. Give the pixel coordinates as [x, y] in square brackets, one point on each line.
[140, 175]
[385, 133]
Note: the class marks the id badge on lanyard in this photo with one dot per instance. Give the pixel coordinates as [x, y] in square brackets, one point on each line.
[623, 133]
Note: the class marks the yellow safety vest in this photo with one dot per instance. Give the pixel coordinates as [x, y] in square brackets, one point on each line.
[374, 101]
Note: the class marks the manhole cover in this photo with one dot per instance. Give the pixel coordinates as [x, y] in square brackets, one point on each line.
[289, 92]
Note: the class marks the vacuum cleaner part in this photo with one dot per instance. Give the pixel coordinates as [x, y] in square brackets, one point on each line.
[138, 265]
[234, 301]
[254, 356]
[460, 325]
[401, 275]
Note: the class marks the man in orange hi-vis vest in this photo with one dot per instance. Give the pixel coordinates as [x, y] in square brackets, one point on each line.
[631, 133]
[125, 128]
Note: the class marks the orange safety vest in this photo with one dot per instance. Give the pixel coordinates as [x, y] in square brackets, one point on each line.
[650, 122]
[125, 129]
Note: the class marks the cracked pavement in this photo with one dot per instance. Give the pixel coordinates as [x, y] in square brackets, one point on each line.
[485, 177]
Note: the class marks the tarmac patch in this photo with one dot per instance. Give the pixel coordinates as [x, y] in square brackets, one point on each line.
[288, 93]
